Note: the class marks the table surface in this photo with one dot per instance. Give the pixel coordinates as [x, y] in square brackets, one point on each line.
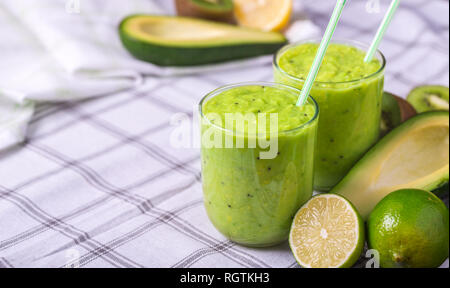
[97, 183]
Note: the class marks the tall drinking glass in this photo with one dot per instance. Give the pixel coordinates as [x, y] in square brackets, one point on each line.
[252, 192]
[349, 94]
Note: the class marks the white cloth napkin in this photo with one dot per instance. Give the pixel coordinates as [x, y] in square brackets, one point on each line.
[60, 50]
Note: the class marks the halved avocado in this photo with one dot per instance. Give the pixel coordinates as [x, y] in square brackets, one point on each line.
[216, 10]
[414, 155]
[180, 41]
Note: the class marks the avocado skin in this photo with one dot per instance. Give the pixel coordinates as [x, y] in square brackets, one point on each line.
[166, 55]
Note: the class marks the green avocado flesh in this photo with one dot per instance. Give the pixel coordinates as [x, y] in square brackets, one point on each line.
[429, 98]
[414, 155]
[181, 41]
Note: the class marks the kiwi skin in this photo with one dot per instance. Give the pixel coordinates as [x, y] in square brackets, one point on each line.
[395, 111]
[188, 8]
[407, 110]
[422, 98]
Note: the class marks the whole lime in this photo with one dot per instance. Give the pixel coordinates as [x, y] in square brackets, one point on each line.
[410, 229]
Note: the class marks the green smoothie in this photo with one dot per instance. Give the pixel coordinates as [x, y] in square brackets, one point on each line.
[249, 198]
[349, 93]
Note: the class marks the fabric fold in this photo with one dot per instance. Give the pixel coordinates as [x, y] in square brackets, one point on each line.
[68, 50]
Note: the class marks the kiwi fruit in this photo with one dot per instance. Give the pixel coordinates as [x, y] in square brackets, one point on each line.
[429, 98]
[215, 10]
[395, 111]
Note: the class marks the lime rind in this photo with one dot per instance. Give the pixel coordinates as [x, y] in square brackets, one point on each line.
[410, 229]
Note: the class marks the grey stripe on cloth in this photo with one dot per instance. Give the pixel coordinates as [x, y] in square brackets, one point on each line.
[164, 218]
[157, 152]
[145, 206]
[79, 237]
[199, 254]
[132, 96]
[115, 217]
[4, 263]
[7, 243]
[96, 155]
[150, 149]
[32, 232]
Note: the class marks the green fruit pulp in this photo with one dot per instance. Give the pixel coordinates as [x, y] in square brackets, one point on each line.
[182, 41]
[422, 140]
[429, 98]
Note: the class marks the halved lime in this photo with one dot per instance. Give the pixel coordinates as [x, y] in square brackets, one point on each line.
[327, 232]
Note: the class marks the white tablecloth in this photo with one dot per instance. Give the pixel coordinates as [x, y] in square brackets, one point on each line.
[97, 183]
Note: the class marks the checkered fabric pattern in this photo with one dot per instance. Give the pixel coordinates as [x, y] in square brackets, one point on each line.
[97, 183]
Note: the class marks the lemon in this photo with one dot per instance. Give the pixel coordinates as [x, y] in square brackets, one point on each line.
[266, 15]
[327, 232]
[410, 229]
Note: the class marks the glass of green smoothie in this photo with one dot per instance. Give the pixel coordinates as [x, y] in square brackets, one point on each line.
[256, 176]
[349, 93]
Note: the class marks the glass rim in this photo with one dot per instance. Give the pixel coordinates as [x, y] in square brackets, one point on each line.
[257, 83]
[353, 43]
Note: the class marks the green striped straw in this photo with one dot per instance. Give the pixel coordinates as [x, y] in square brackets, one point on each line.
[321, 52]
[381, 31]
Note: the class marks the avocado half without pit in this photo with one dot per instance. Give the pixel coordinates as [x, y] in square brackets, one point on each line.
[429, 98]
[415, 155]
[216, 10]
[181, 41]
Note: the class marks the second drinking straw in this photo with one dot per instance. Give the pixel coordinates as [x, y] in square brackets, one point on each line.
[321, 52]
[381, 31]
